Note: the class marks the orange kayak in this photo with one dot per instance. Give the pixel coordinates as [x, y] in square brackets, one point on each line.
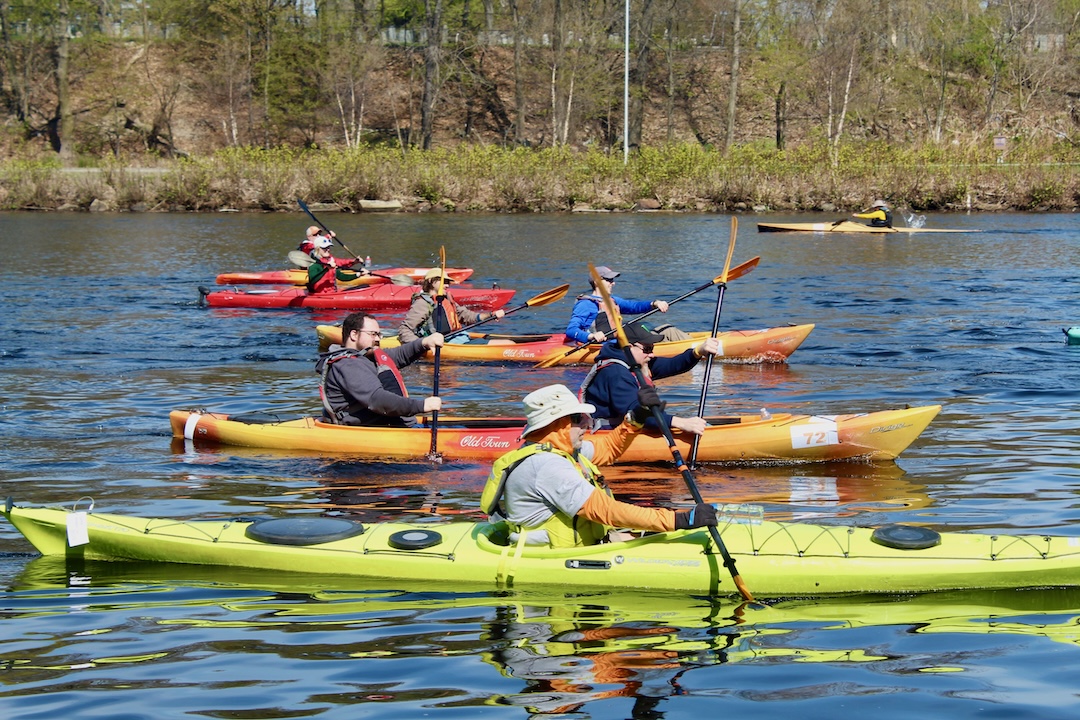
[297, 276]
[737, 346]
[782, 438]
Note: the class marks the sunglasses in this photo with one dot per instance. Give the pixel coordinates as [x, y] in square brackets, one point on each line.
[647, 349]
[581, 419]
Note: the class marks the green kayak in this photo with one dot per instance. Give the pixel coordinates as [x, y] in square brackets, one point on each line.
[775, 559]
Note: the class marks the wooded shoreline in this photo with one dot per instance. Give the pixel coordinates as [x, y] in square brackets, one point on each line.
[678, 178]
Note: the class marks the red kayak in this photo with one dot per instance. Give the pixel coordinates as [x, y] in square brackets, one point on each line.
[386, 296]
[298, 276]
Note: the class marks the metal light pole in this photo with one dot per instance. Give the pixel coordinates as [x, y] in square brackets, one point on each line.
[626, 88]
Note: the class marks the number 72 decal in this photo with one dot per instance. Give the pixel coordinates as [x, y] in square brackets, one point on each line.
[815, 434]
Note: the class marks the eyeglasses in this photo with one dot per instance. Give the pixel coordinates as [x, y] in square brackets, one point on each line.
[372, 333]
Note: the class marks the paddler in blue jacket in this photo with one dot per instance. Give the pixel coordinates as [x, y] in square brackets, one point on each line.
[612, 387]
[583, 319]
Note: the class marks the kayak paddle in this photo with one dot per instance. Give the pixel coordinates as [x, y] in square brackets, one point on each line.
[400, 279]
[438, 313]
[658, 415]
[545, 298]
[735, 272]
[299, 258]
[720, 288]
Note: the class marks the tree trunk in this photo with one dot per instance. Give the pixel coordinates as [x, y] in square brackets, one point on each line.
[63, 88]
[432, 60]
[559, 109]
[639, 74]
[781, 115]
[733, 88]
[519, 78]
[835, 144]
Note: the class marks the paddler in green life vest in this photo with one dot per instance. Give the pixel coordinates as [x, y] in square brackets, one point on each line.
[879, 215]
[324, 273]
[550, 490]
[360, 383]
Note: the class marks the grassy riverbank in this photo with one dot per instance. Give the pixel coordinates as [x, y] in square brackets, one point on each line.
[482, 179]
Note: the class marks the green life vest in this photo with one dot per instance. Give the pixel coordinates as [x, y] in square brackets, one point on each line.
[562, 530]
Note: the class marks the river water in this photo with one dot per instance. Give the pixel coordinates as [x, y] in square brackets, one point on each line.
[102, 337]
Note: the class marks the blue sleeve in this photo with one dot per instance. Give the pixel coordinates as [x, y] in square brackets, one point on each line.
[663, 367]
[633, 306]
[581, 319]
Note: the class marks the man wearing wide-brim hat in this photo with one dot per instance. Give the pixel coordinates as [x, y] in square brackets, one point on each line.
[420, 320]
[550, 490]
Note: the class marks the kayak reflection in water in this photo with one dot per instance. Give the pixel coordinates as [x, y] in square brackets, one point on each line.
[567, 662]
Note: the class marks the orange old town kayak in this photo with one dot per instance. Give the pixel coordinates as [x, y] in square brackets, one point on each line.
[295, 276]
[369, 297]
[781, 438]
[736, 346]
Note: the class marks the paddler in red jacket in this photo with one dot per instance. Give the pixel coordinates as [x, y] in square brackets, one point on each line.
[360, 383]
[313, 231]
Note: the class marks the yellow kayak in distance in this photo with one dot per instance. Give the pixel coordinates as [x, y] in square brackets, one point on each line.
[848, 226]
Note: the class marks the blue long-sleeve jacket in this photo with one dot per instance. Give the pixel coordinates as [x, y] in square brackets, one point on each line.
[587, 308]
[613, 389]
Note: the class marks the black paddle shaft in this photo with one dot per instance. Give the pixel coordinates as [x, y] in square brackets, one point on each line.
[688, 477]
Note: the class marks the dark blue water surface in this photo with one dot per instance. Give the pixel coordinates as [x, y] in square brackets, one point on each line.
[102, 337]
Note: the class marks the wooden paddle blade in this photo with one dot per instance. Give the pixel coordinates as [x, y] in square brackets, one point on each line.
[730, 248]
[546, 298]
[742, 269]
[614, 317]
[300, 259]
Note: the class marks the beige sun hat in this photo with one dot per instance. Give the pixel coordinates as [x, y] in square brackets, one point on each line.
[548, 404]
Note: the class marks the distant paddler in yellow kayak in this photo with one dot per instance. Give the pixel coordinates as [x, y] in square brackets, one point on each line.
[879, 215]
[420, 321]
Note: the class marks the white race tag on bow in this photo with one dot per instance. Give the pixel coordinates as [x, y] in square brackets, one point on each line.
[76, 529]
